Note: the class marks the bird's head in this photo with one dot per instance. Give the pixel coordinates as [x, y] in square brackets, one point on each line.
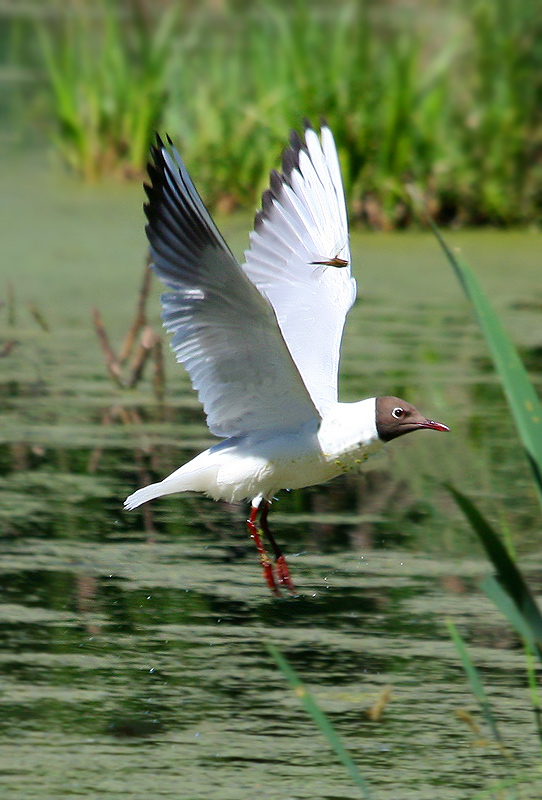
[395, 417]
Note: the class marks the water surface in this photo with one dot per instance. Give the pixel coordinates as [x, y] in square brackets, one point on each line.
[132, 660]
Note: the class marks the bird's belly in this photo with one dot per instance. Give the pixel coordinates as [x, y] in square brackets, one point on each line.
[299, 471]
[264, 467]
[284, 462]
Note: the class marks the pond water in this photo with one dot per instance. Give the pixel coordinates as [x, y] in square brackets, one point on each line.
[133, 660]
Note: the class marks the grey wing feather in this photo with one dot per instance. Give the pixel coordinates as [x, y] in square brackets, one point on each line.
[224, 331]
[299, 258]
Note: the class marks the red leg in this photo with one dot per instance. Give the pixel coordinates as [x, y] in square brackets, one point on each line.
[283, 573]
[265, 561]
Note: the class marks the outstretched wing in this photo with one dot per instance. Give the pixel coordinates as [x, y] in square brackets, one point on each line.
[299, 258]
[224, 331]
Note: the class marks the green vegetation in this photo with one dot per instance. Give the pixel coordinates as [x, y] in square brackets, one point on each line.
[522, 398]
[319, 718]
[108, 89]
[447, 98]
[508, 590]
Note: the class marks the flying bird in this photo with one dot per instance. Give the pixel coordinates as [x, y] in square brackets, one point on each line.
[261, 340]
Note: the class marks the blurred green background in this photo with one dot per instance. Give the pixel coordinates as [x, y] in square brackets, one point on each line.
[444, 96]
[110, 687]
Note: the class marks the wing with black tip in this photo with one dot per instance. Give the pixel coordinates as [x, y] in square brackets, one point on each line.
[299, 258]
[225, 331]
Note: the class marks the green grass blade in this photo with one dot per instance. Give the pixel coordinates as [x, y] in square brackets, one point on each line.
[474, 680]
[509, 576]
[522, 398]
[502, 600]
[318, 717]
[494, 591]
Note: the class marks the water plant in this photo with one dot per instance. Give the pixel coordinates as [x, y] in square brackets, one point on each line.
[452, 105]
[509, 591]
[249, 81]
[107, 78]
[319, 718]
[456, 115]
[521, 395]
[499, 132]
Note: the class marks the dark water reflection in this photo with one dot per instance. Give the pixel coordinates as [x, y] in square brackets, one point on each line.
[132, 656]
[146, 661]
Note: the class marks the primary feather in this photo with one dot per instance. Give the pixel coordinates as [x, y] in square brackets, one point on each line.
[300, 231]
[224, 330]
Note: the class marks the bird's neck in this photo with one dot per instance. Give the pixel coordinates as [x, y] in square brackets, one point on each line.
[348, 433]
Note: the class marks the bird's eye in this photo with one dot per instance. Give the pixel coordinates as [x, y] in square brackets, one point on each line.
[397, 412]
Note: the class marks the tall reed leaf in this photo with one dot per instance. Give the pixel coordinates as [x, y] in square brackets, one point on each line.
[522, 398]
[502, 600]
[509, 576]
[474, 680]
[318, 717]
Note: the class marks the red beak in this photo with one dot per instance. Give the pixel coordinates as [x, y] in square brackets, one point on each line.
[434, 426]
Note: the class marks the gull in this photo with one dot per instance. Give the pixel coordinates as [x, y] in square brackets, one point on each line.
[261, 340]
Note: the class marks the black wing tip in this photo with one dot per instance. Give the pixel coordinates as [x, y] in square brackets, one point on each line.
[308, 126]
[157, 149]
[290, 156]
[259, 219]
[156, 170]
[296, 143]
[160, 198]
[290, 163]
[156, 162]
[275, 183]
[267, 201]
[268, 198]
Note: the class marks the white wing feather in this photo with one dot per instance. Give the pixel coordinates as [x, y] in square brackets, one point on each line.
[225, 331]
[303, 221]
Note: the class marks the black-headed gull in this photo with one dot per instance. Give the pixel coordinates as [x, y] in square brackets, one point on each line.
[261, 340]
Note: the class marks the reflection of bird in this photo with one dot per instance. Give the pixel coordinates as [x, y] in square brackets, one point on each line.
[261, 341]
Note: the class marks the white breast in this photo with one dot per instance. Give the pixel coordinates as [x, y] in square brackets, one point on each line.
[346, 437]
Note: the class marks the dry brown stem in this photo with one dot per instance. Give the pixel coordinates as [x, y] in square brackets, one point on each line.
[140, 318]
[38, 316]
[111, 360]
[144, 350]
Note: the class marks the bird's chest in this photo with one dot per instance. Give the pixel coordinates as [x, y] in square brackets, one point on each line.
[346, 449]
[353, 457]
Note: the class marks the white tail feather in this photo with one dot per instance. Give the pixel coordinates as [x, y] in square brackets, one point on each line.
[199, 475]
[148, 493]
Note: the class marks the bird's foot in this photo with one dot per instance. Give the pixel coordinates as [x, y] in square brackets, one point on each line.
[269, 572]
[283, 574]
[276, 575]
[265, 561]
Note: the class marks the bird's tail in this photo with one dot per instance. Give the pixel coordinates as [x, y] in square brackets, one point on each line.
[148, 493]
[199, 475]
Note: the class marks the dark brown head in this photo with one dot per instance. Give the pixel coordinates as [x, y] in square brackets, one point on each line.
[395, 417]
